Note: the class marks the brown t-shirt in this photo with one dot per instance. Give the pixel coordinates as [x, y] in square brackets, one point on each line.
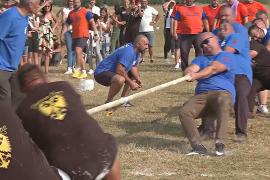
[73, 141]
[20, 158]
[261, 63]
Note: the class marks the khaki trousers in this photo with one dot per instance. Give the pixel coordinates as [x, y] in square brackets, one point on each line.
[212, 105]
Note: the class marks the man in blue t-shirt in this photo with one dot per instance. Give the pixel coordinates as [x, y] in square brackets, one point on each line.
[214, 93]
[232, 42]
[120, 68]
[14, 22]
[235, 39]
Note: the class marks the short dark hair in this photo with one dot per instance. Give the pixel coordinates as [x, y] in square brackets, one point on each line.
[260, 12]
[254, 27]
[28, 73]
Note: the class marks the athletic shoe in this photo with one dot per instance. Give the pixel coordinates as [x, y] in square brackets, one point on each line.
[172, 56]
[69, 71]
[127, 104]
[262, 109]
[198, 149]
[83, 75]
[177, 66]
[220, 149]
[166, 61]
[76, 73]
[91, 71]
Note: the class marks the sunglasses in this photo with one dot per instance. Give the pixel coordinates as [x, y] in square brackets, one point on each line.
[206, 41]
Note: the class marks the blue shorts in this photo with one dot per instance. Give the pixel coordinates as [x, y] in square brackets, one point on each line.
[150, 37]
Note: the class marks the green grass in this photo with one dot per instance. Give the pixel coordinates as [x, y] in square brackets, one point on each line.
[150, 138]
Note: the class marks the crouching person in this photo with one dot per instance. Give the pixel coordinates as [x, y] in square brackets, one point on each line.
[72, 141]
[214, 93]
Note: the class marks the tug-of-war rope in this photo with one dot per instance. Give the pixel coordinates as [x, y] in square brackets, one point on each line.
[136, 95]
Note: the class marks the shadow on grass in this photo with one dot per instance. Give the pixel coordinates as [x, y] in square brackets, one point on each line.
[155, 143]
[159, 68]
[155, 126]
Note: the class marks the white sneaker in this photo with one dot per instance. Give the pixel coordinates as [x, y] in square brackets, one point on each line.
[263, 109]
[91, 71]
[172, 56]
[177, 66]
[166, 61]
[69, 71]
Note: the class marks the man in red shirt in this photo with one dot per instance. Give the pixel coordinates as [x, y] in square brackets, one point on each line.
[80, 19]
[211, 11]
[253, 7]
[189, 21]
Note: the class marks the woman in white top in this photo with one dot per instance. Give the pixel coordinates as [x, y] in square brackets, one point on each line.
[106, 31]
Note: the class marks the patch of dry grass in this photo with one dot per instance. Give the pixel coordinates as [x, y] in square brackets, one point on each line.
[151, 141]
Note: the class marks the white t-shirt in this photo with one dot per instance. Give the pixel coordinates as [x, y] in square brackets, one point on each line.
[168, 20]
[148, 15]
[66, 11]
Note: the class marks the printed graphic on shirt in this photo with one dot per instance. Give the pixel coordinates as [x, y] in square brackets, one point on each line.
[5, 148]
[53, 106]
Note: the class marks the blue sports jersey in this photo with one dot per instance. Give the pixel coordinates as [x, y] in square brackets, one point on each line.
[223, 81]
[243, 60]
[124, 55]
[13, 34]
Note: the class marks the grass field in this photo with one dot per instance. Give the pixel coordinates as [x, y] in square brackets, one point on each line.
[150, 138]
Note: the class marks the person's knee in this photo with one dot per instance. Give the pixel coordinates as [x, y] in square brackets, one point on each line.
[184, 113]
[117, 79]
[224, 100]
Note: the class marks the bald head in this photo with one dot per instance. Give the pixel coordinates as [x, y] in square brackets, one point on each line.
[226, 14]
[209, 43]
[141, 43]
[202, 36]
[31, 6]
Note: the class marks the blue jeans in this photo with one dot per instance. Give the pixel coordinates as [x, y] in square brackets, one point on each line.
[70, 53]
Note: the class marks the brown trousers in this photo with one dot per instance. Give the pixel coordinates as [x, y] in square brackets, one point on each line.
[212, 105]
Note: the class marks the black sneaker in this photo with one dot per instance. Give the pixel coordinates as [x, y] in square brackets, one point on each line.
[220, 149]
[198, 149]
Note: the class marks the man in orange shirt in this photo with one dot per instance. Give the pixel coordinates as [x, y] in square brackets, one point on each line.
[253, 7]
[80, 19]
[211, 11]
[189, 21]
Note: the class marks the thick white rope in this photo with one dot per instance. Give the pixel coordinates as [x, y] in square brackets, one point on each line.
[136, 95]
